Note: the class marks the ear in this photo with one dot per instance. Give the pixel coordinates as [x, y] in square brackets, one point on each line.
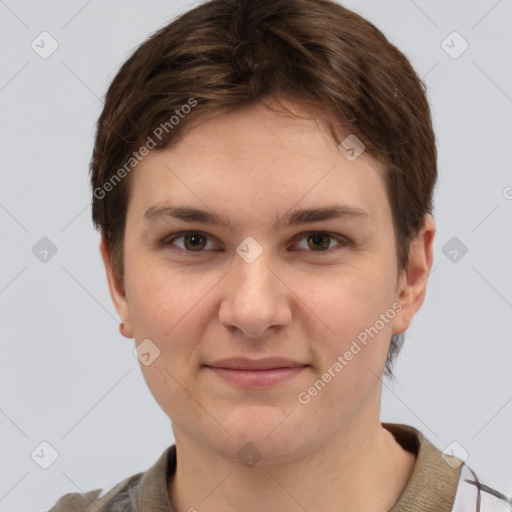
[117, 292]
[412, 285]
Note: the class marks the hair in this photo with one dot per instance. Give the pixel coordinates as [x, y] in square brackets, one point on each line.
[226, 54]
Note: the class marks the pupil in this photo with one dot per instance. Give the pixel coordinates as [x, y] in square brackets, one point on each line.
[192, 238]
[316, 238]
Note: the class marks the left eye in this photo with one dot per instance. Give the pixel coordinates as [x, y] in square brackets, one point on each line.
[322, 240]
[196, 242]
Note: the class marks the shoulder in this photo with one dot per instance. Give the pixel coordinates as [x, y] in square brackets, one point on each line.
[142, 491]
[117, 499]
[75, 502]
[474, 495]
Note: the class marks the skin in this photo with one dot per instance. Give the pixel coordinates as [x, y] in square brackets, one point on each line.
[293, 301]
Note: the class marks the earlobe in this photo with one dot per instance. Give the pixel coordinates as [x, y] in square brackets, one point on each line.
[117, 292]
[413, 280]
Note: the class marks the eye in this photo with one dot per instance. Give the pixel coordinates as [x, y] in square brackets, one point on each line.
[320, 241]
[197, 242]
[193, 241]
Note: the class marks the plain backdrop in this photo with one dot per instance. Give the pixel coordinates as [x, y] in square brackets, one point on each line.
[68, 378]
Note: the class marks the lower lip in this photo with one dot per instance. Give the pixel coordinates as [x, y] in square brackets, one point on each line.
[256, 378]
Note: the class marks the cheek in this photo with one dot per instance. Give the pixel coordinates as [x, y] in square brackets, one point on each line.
[349, 300]
[357, 307]
[167, 304]
[352, 353]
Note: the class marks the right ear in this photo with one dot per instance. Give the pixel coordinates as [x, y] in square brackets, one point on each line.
[117, 292]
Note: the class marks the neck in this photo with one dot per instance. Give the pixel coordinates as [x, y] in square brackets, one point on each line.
[363, 468]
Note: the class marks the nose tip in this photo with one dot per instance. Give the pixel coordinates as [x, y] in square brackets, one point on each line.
[254, 299]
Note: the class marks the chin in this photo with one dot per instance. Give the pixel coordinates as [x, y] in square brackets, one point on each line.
[263, 435]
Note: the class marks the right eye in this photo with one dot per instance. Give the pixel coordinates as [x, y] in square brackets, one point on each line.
[193, 242]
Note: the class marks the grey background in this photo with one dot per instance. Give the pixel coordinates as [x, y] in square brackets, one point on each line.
[69, 378]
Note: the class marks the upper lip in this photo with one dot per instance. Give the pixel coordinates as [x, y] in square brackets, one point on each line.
[268, 363]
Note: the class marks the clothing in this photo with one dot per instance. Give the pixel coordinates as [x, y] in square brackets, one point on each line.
[435, 485]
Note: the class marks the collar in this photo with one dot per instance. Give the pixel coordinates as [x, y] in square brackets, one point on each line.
[433, 482]
[431, 486]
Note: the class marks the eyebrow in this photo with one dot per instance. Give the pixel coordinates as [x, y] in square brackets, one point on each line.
[291, 218]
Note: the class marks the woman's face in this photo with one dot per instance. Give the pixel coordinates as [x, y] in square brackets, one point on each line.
[257, 286]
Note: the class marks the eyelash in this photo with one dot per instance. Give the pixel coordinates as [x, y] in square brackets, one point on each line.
[167, 241]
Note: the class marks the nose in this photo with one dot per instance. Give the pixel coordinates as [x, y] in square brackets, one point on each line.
[255, 298]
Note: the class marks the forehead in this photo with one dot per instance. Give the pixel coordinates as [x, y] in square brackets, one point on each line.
[254, 159]
[263, 131]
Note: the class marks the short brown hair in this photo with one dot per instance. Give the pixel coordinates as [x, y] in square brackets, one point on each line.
[225, 54]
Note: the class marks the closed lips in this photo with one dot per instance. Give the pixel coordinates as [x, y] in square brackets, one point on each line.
[238, 363]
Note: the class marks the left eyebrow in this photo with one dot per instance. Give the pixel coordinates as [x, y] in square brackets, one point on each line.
[291, 218]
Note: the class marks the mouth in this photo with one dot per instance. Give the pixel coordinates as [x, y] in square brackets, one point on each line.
[247, 373]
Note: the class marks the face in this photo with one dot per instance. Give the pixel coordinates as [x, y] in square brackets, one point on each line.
[251, 324]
